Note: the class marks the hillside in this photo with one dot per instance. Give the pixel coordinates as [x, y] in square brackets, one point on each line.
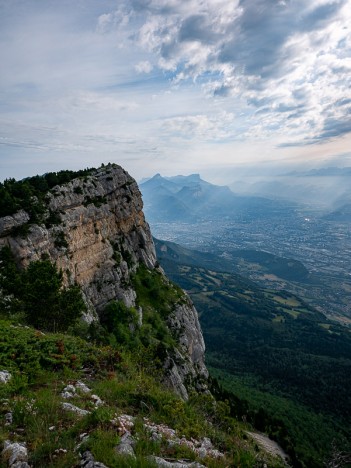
[71, 402]
[102, 357]
[286, 363]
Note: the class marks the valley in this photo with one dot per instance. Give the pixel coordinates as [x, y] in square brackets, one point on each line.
[281, 361]
[323, 247]
[271, 282]
[212, 219]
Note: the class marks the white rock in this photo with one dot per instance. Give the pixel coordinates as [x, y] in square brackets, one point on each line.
[8, 419]
[82, 387]
[74, 409]
[206, 443]
[14, 452]
[5, 376]
[162, 463]
[97, 400]
[125, 447]
[67, 395]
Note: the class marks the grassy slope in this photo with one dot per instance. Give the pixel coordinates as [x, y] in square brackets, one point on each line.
[42, 365]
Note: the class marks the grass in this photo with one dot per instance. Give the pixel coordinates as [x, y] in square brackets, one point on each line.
[126, 386]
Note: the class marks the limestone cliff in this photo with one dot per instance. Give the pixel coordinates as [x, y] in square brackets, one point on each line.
[99, 240]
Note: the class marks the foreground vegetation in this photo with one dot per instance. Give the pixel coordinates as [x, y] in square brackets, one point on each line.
[127, 382]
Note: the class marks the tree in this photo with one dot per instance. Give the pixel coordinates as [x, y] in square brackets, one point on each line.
[39, 293]
[46, 304]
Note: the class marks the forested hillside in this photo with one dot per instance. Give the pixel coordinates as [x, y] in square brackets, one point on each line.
[287, 365]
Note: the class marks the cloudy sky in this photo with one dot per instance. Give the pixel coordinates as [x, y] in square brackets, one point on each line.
[174, 86]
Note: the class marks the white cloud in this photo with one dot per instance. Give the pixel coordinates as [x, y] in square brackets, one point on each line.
[176, 76]
[199, 126]
[143, 67]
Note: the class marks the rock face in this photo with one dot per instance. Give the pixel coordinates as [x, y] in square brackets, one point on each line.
[99, 242]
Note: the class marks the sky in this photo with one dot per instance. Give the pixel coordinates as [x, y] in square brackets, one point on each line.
[174, 86]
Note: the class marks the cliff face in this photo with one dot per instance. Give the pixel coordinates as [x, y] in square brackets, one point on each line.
[99, 240]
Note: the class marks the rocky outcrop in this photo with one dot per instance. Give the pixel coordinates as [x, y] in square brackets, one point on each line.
[185, 367]
[98, 240]
[15, 454]
[102, 235]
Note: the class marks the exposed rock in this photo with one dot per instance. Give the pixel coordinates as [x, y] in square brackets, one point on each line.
[97, 400]
[5, 376]
[187, 365]
[202, 448]
[100, 214]
[88, 461]
[15, 454]
[79, 388]
[125, 447]
[124, 423]
[8, 419]
[82, 387]
[82, 438]
[74, 409]
[68, 392]
[163, 463]
[9, 223]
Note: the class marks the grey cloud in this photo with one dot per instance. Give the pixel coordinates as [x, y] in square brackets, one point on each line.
[333, 128]
[317, 18]
[259, 37]
[155, 7]
[343, 102]
[196, 28]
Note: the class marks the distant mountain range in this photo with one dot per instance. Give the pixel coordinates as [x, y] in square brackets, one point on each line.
[189, 198]
[326, 188]
[323, 172]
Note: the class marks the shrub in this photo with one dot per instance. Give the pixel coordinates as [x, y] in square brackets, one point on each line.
[38, 292]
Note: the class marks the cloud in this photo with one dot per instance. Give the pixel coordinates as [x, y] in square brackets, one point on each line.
[143, 67]
[293, 55]
[201, 126]
[167, 77]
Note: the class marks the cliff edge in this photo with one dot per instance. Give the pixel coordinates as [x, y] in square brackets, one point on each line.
[99, 238]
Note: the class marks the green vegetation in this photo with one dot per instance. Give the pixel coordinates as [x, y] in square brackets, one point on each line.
[43, 364]
[60, 240]
[29, 194]
[271, 344]
[97, 201]
[155, 292]
[308, 437]
[36, 293]
[286, 268]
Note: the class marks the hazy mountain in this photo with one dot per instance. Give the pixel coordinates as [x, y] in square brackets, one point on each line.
[323, 172]
[184, 198]
[320, 187]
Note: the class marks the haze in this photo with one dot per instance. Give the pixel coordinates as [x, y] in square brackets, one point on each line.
[209, 86]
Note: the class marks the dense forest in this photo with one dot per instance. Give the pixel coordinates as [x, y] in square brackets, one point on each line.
[280, 363]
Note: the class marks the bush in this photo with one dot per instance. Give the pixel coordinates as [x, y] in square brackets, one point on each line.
[38, 292]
